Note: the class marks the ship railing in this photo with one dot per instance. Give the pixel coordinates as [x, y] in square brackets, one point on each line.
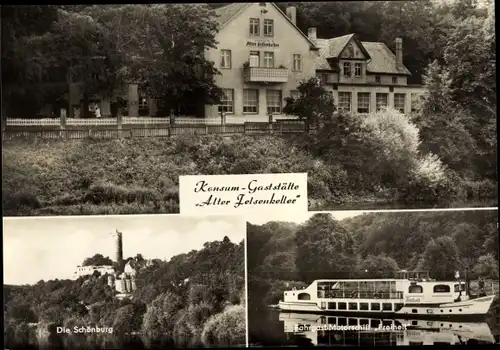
[359, 295]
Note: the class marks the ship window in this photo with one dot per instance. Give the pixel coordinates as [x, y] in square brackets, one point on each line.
[353, 322]
[353, 306]
[331, 320]
[332, 306]
[414, 323]
[342, 306]
[387, 307]
[363, 306]
[386, 323]
[441, 288]
[364, 322]
[414, 311]
[374, 323]
[342, 321]
[304, 296]
[375, 306]
[415, 288]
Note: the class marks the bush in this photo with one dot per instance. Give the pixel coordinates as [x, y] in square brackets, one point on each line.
[226, 328]
[428, 182]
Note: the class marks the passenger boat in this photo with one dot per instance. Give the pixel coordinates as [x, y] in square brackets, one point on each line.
[335, 330]
[410, 293]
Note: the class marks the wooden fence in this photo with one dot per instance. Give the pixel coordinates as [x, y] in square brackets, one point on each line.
[128, 129]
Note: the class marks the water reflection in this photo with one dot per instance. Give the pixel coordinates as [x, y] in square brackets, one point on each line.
[320, 330]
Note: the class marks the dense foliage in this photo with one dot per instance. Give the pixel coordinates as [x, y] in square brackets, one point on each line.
[193, 298]
[375, 245]
[160, 46]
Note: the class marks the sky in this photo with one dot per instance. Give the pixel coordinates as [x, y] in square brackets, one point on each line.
[51, 247]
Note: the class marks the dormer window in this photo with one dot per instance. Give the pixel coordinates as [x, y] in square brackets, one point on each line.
[377, 79]
[394, 80]
[347, 69]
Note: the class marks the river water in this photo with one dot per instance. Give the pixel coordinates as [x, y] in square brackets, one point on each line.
[275, 328]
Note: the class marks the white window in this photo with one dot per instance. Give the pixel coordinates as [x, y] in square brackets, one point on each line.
[254, 26]
[268, 27]
[345, 100]
[347, 69]
[227, 101]
[399, 102]
[394, 80]
[225, 58]
[250, 101]
[377, 79]
[297, 62]
[357, 69]
[295, 94]
[254, 59]
[273, 99]
[363, 102]
[381, 100]
[269, 59]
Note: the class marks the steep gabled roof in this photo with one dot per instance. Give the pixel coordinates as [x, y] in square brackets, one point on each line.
[226, 13]
[383, 60]
[336, 45]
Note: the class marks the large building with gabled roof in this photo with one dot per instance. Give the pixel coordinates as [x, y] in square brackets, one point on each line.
[263, 56]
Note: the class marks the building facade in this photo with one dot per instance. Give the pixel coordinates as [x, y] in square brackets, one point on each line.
[365, 77]
[89, 270]
[262, 56]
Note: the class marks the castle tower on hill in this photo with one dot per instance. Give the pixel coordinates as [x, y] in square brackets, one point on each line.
[124, 280]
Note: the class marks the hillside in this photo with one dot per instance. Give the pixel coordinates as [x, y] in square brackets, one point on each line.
[136, 176]
[189, 298]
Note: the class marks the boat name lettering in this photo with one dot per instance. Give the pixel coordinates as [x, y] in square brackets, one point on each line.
[415, 299]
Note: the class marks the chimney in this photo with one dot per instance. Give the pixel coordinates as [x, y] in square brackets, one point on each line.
[291, 13]
[311, 33]
[399, 53]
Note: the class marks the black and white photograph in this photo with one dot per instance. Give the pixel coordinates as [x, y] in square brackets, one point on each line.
[357, 278]
[384, 104]
[116, 282]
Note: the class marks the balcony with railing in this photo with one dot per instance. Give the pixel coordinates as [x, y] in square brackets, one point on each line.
[264, 74]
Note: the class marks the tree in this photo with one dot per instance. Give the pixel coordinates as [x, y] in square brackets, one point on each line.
[169, 54]
[324, 249]
[160, 317]
[97, 260]
[487, 267]
[126, 320]
[440, 258]
[470, 57]
[378, 266]
[442, 122]
[399, 140]
[20, 24]
[82, 47]
[315, 105]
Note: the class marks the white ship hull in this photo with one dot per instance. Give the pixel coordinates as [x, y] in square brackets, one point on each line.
[473, 307]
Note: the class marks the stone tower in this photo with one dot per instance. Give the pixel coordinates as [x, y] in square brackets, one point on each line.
[119, 247]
